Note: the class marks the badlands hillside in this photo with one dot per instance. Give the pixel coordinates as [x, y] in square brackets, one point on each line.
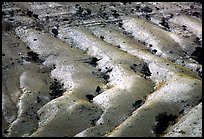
[101, 69]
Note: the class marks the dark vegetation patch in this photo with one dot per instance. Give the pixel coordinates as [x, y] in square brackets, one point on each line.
[106, 77]
[157, 8]
[171, 52]
[11, 19]
[197, 41]
[147, 17]
[164, 23]
[134, 67]
[163, 120]
[29, 13]
[171, 15]
[11, 13]
[98, 89]
[102, 14]
[92, 61]
[28, 47]
[115, 14]
[137, 7]
[108, 69]
[8, 26]
[56, 89]
[55, 32]
[182, 132]
[37, 117]
[90, 97]
[32, 56]
[82, 13]
[120, 24]
[154, 51]
[184, 27]
[128, 34]
[181, 112]
[196, 14]
[197, 55]
[15, 44]
[53, 67]
[137, 104]
[101, 37]
[38, 99]
[46, 18]
[199, 72]
[103, 75]
[93, 121]
[132, 11]
[145, 70]
[118, 46]
[65, 19]
[150, 45]
[146, 9]
[35, 16]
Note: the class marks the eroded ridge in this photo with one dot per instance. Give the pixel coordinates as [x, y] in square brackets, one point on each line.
[123, 79]
[125, 69]
[72, 73]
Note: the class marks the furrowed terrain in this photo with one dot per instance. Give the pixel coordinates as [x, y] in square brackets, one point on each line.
[101, 69]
